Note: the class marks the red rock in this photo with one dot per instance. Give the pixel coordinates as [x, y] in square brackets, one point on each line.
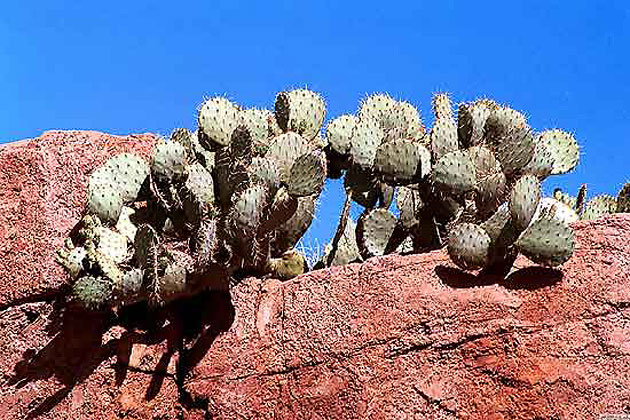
[42, 193]
[396, 337]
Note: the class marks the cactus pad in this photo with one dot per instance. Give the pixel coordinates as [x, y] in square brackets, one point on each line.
[599, 206]
[284, 150]
[217, 119]
[563, 149]
[524, 200]
[455, 172]
[169, 161]
[469, 246]
[366, 138]
[402, 161]
[374, 230]
[623, 199]
[307, 175]
[301, 111]
[547, 241]
[339, 133]
[92, 292]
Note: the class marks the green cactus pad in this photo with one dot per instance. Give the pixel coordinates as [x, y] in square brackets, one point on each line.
[524, 200]
[169, 161]
[380, 108]
[199, 184]
[283, 207]
[173, 281]
[288, 233]
[623, 199]
[301, 111]
[455, 172]
[406, 118]
[409, 203]
[284, 150]
[442, 106]
[490, 192]
[366, 138]
[469, 246]
[264, 171]
[339, 133]
[205, 244]
[563, 148]
[374, 230]
[443, 137]
[258, 123]
[347, 248]
[241, 146]
[93, 292]
[362, 185]
[247, 210]
[599, 206]
[402, 161]
[511, 138]
[217, 119]
[308, 174]
[104, 202]
[541, 163]
[547, 241]
[471, 122]
[124, 173]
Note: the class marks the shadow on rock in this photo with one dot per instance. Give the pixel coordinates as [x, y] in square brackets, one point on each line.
[529, 278]
[189, 327]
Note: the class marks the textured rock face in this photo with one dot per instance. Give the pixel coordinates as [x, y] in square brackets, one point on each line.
[394, 338]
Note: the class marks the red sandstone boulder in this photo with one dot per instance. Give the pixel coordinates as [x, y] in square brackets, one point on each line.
[393, 338]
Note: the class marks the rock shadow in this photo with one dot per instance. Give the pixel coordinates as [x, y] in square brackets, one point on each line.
[528, 278]
[188, 326]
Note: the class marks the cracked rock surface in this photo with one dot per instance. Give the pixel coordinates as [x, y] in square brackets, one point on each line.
[394, 338]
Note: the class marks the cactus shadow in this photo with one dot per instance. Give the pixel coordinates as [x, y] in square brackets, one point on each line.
[82, 341]
[460, 279]
[528, 278]
[532, 278]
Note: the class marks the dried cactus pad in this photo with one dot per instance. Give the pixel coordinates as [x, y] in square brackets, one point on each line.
[455, 172]
[547, 241]
[599, 206]
[563, 148]
[524, 200]
[374, 230]
[308, 174]
[301, 111]
[217, 119]
[469, 246]
[339, 133]
[402, 161]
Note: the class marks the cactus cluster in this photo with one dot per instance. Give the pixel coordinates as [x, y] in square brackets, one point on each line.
[472, 183]
[597, 206]
[235, 196]
[230, 199]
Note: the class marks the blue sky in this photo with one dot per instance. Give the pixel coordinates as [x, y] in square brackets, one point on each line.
[143, 66]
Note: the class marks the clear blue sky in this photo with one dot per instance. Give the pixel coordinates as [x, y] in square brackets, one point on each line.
[143, 66]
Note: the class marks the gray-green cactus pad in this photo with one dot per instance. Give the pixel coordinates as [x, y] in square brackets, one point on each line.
[469, 246]
[563, 148]
[285, 149]
[339, 133]
[169, 160]
[524, 200]
[547, 241]
[218, 118]
[301, 111]
[599, 206]
[402, 161]
[455, 172]
[374, 230]
[308, 174]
